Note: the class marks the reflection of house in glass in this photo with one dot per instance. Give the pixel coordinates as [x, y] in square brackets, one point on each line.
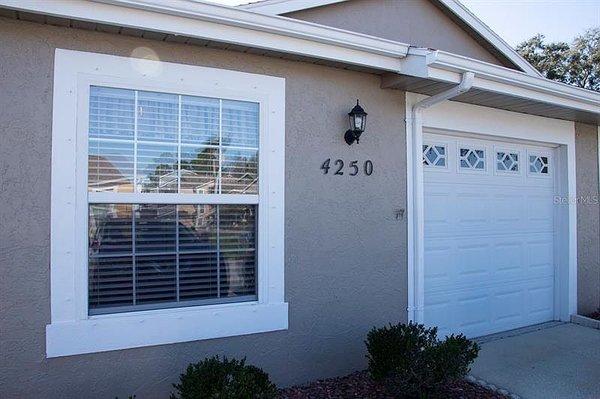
[192, 182]
[110, 173]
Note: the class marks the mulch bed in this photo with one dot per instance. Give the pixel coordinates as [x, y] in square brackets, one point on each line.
[595, 315]
[360, 385]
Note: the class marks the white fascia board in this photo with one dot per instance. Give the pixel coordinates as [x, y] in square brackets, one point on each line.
[489, 35]
[278, 7]
[229, 25]
[447, 67]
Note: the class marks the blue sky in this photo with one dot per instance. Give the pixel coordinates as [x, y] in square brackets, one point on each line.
[518, 20]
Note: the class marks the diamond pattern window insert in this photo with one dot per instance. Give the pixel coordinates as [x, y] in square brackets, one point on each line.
[507, 161]
[538, 164]
[472, 159]
[434, 155]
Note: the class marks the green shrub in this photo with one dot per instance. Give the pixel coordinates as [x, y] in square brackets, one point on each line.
[414, 362]
[214, 378]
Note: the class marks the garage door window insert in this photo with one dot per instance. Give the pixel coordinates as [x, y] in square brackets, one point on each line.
[434, 155]
[145, 251]
[472, 158]
[507, 161]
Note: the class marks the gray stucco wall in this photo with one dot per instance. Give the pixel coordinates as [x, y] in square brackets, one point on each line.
[417, 22]
[345, 251]
[588, 219]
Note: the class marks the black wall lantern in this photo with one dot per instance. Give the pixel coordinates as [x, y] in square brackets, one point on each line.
[358, 121]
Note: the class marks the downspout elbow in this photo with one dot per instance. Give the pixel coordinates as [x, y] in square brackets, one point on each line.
[466, 83]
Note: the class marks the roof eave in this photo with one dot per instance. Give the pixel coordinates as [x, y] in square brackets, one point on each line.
[489, 35]
[283, 35]
[448, 68]
[278, 7]
[228, 25]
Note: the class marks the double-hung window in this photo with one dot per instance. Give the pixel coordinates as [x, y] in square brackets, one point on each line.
[173, 192]
[167, 203]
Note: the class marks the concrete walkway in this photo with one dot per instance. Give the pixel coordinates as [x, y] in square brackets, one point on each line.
[549, 361]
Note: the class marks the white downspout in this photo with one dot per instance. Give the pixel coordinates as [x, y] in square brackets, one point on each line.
[416, 294]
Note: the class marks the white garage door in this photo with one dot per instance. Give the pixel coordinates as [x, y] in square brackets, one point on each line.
[489, 227]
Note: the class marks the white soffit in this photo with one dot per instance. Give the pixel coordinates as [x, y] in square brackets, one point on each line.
[278, 7]
[228, 25]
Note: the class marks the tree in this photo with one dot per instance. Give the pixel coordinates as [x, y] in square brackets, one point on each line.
[577, 64]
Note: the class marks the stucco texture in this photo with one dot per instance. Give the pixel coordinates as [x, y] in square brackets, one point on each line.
[588, 219]
[419, 23]
[345, 251]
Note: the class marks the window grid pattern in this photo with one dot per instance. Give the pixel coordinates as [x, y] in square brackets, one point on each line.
[539, 164]
[473, 159]
[181, 255]
[434, 155]
[507, 161]
[158, 255]
[147, 142]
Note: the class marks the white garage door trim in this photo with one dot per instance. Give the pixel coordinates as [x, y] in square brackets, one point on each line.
[464, 119]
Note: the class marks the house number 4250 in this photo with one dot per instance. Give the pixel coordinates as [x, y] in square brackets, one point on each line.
[352, 168]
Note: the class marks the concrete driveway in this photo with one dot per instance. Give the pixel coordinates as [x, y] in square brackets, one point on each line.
[548, 361]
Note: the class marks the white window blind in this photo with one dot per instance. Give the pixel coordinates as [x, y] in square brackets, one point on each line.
[152, 252]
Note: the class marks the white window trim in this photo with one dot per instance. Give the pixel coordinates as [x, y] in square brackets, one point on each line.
[71, 331]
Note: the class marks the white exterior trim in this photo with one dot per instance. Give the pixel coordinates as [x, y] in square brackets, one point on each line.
[472, 120]
[278, 7]
[229, 25]
[446, 67]
[244, 28]
[72, 330]
[489, 35]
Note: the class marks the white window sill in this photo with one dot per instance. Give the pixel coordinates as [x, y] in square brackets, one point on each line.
[160, 327]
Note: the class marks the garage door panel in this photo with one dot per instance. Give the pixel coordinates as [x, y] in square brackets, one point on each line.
[508, 305]
[540, 298]
[489, 243]
[472, 211]
[439, 218]
[438, 258]
[508, 209]
[540, 212]
[472, 261]
[496, 260]
[487, 310]
[540, 258]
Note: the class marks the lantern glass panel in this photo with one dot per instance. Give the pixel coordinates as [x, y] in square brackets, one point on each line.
[358, 122]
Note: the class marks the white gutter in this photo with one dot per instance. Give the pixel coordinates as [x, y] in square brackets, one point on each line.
[278, 7]
[217, 23]
[446, 67]
[416, 194]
